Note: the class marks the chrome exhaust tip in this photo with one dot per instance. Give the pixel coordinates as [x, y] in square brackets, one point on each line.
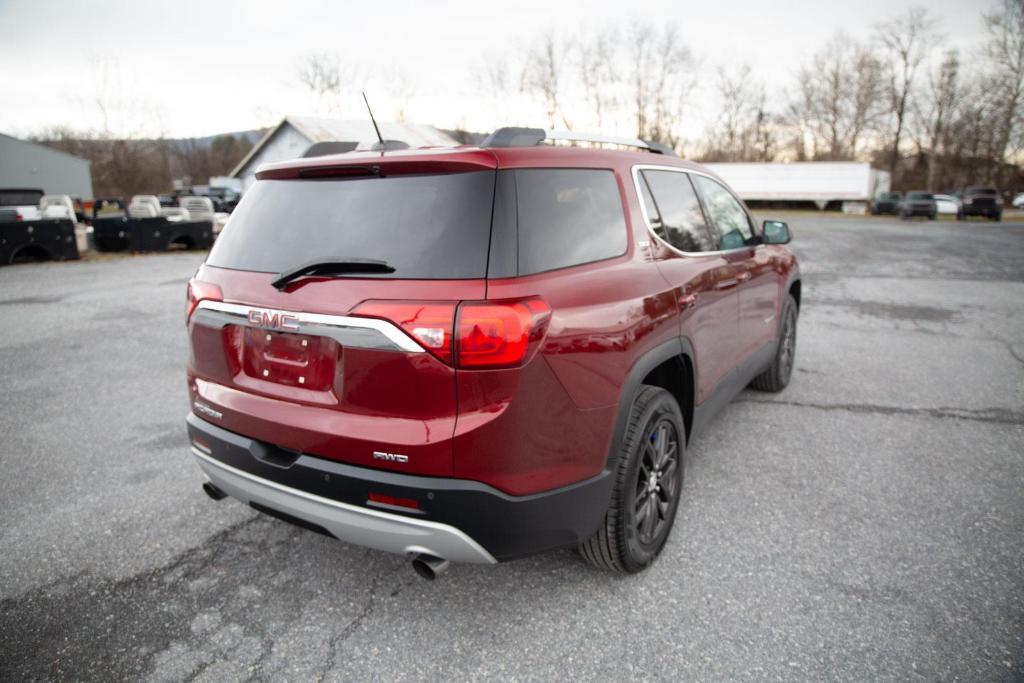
[428, 566]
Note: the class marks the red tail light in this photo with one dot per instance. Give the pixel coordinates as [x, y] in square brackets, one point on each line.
[500, 334]
[479, 334]
[428, 322]
[197, 291]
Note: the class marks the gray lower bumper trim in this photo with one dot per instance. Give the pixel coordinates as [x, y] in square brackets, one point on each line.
[362, 526]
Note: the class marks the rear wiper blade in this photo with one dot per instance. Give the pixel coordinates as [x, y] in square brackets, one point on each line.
[341, 266]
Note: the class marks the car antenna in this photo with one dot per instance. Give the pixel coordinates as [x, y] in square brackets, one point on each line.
[374, 122]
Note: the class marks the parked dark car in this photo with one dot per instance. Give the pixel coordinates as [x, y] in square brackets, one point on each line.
[981, 201]
[479, 353]
[886, 202]
[919, 203]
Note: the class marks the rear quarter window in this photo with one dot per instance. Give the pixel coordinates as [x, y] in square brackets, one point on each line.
[567, 217]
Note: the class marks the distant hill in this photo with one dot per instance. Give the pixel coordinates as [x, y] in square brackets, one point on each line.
[250, 136]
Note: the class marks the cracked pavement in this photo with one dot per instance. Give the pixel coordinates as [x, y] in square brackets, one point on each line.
[867, 523]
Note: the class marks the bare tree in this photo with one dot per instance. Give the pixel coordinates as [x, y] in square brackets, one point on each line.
[837, 98]
[325, 76]
[906, 42]
[542, 75]
[743, 129]
[662, 74]
[1004, 52]
[596, 65]
[940, 104]
[496, 83]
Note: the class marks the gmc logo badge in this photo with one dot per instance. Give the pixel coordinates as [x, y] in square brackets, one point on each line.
[283, 321]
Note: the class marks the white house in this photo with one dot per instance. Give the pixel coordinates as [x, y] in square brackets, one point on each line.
[295, 134]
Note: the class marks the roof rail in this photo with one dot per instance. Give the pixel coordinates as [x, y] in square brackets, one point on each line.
[528, 137]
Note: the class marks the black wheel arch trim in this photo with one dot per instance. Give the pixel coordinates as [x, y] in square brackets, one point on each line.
[678, 347]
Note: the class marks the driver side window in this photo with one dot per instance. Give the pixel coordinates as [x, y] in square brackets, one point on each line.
[732, 226]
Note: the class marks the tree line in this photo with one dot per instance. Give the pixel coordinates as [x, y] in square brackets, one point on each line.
[934, 117]
[125, 166]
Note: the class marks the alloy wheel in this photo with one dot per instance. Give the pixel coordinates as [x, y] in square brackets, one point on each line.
[657, 481]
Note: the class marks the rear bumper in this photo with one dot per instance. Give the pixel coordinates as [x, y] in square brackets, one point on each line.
[371, 528]
[457, 520]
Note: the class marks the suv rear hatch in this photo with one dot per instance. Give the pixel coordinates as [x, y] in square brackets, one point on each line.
[350, 358]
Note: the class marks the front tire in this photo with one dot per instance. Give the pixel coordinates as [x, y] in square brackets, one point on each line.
[776, 377]
[648, 486]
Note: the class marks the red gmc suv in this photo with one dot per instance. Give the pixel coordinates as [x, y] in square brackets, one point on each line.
[479, 353]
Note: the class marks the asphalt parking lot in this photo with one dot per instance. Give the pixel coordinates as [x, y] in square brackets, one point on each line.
[866, 524]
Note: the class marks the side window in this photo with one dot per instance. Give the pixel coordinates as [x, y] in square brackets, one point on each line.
[726, 213]
[679, 219]
[568, 217]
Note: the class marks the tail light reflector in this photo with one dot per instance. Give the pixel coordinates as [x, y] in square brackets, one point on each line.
[385, 499]
[198, 291]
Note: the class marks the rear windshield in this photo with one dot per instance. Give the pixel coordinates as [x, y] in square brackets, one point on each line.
[20, 197]
[425, 226]
[890, 195]
[919, 195]
[980, 190]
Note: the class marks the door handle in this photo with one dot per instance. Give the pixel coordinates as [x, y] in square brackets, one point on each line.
[744, 276]
[726, 284]
[687, 301]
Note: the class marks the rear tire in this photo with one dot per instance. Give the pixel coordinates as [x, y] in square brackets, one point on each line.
[647, 489]
[777, 376]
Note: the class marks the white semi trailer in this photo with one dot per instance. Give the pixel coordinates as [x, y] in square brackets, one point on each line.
[852, 183]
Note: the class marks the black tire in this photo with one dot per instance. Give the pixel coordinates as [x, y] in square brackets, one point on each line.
[648, 486]
[960, 216]
[777, 376]
[932, 216]
[998, 218]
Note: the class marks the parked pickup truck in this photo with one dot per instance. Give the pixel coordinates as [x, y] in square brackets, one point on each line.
[20, 204]
[981, 201]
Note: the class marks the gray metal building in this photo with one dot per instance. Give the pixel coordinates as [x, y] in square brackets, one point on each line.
[28, 165]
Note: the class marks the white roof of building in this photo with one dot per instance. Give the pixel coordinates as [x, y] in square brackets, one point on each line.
[317, 129]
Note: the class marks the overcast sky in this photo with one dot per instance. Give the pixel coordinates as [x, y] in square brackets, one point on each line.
[184, 68]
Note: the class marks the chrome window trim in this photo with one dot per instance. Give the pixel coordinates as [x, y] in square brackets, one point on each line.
[636, 168]
[389, 331]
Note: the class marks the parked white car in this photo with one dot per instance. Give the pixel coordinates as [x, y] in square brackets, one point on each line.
[947, 203]
[1018, 201]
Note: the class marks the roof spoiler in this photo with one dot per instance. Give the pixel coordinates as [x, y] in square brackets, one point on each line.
[529, 137]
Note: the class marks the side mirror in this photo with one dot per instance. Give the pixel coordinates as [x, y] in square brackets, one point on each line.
[776, 232]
